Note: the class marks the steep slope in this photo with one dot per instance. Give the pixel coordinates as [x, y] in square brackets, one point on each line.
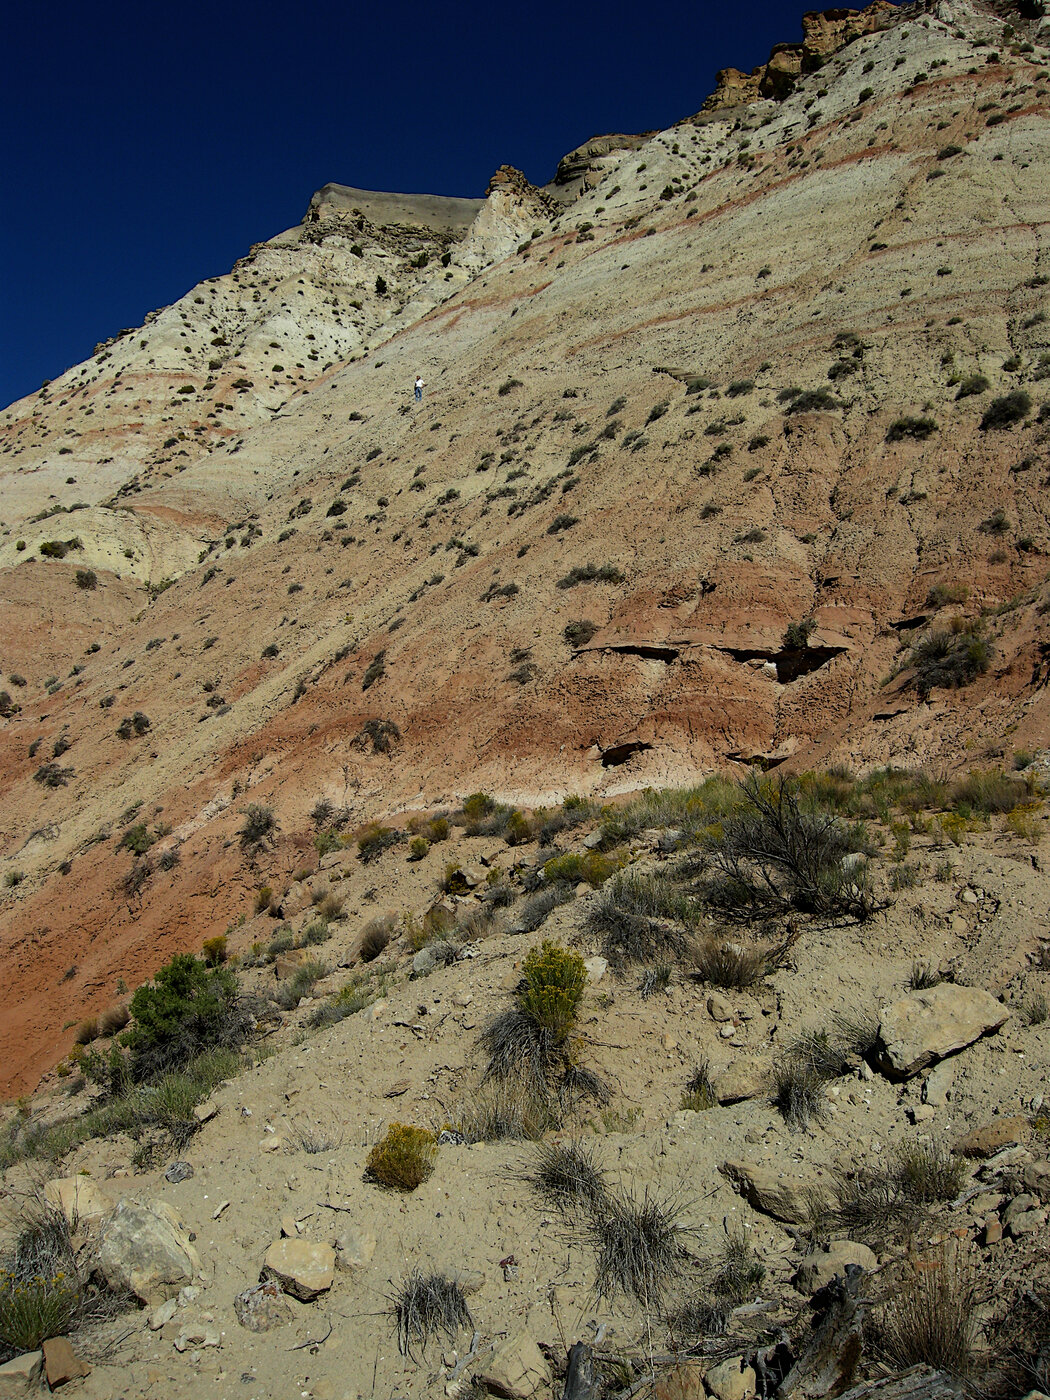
[611, 436]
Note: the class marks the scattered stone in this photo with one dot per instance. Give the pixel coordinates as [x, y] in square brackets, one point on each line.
[289, 1229]
[162, 1314]
[727, 1031]
[925, 1026]
[718, 1007]
[21, 1376]
[731, 1380]
[61, 1363]
[354, 1248]
[682, 1382]
[205, 1112]
[196, 1335]
[991, 1137]
[288, 964]
[1037, 1179]
[820, 1266]
[922, 1113]
[596, 969]
[794, 1200]
[515, 1369]
[81, 1200]
[178, 1171]
[262, 1307]
[937, 1085]
[744, 1079]
[593, 840]
[145, 1250]
[462, 999]
[395, 1091]
[993, 1230]
[1025, 1222]
[424, 963]
[302, 1268]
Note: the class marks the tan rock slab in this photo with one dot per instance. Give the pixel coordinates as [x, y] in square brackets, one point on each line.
[354, 1248]
[302, 1268]
[792, 1199]
[516, 1369]
[145, 1250]
[991, 1137]
[820, 1266]
[21, 1375]
[683, 1382]
[925, 1026]
[262, 1307]
[731, 1380]
[81, 1200]
[743, 1079]
[61, 1363]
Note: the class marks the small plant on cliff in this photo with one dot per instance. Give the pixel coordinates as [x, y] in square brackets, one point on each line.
[259, 826]
[186, 1010]
[797, 634]
[906, 427]
[403, 1158]
[1004, 412]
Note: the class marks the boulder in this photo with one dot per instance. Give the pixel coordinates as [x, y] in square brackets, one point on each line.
[731, 1379]
[286, 965]
[81, 1200]
[682, 1382]
[515, 1369]
[925, 1026]
[195, 1335]
[987, 1140]
[820, 1266]
[302, 1268]
[719, 1008]
[61, 1363]
[937, 1085]
[1037, 1179]
[596, 968]
[354, 1247]
[261, 1307]
[792, 1199]
[21, 1375]
[145, 1250]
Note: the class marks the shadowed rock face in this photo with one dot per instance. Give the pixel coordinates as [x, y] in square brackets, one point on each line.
[441, 213]
[291, 552]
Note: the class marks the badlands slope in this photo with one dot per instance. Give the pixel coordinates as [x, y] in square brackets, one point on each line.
[284, 545]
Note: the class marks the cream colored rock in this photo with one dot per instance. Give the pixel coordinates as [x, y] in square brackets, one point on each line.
[745, 1078]
[682, 1382]
[783, 1195]
[516, 1369]
[731, 1380]
[924, 1027]
[820, 1266]
[992, 1137]
[145, 1250]
[21, 1375]
[302, 1268]
[354, 1247]
[80, 1199]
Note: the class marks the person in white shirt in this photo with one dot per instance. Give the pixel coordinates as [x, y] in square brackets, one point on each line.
[419, 387]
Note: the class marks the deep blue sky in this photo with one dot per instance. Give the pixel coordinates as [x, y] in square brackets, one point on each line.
[147, 146]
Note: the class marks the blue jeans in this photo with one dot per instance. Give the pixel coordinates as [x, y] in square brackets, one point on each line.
[419, 393]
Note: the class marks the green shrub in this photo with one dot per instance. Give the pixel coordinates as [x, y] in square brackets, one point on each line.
[186, 1010]
[812, 401]
[949, 659]
[403, 1158]
[554, 981]
[797, 634]
[86, 579]
[374, 839]
[594, 867]
[971, 385]
[908, 427]
[943, 593]
[591, 573]
[578, 634]
[259, 826]
[418, 847]
[1008, 409]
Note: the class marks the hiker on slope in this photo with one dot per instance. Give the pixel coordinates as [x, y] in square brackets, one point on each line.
[419, 387]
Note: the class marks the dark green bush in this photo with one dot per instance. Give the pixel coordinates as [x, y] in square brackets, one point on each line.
[813, 400]
[908, 427]
[1005, 411]
[187, 1009]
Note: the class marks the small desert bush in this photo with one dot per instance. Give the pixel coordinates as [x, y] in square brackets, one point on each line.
[331, 906]
[642, 918]
[593, 867]
[927, 1174]
[403, 1158]
[567, 1176]
[813, 400]
[950, 658]
[973, 384]
[740, 1273]
[699, 1091]
[534, 912]
[1007, 410]
[908, 427]
[187, 1009]
[299, 985]
[376, 935]
[943, 593]
[990, 792]
[639, 1247]
[725, 963]
[426, 1305]
[930, 1318]
[554, 981]
[506, 1112]
[374, 839]
[259, 826]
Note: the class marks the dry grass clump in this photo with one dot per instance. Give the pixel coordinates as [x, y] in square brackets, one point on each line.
[729, 964]
[534, 912]
[566, 1175]
[113, 1019]
[642, 917]
[927, 1173]
[289, 994]
[331, 906]
[896, 1196]
[640, 1247]
[740, 1272]
[376, 936]
[426, 1305]
[507, 1112]
[403, 1158]
[930, 1319]
[699, 1092]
